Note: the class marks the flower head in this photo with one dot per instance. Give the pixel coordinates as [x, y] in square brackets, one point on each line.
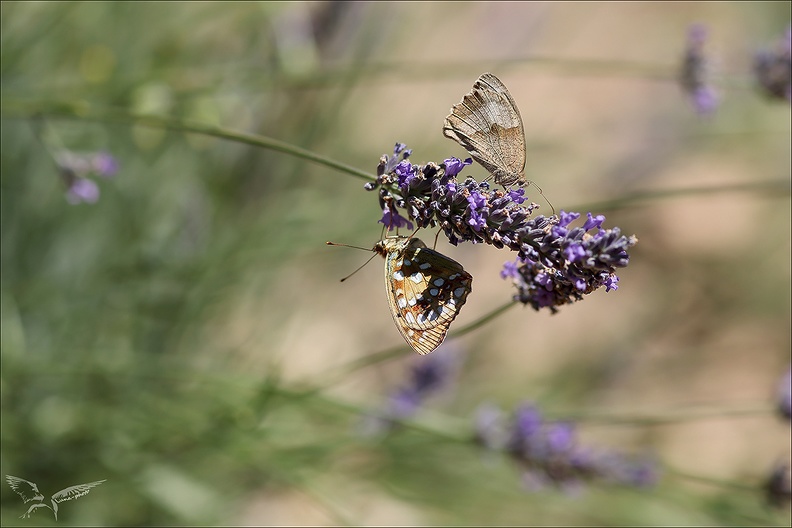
[82, 190]
[76, 169]
[580, 263]
[694, 74]
[773, 68]
[104, 164]
[549, 453]
[428, 375]
[556, 265]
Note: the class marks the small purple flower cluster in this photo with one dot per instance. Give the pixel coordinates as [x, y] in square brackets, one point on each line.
[427, 377]
[549, 453]
[773, 68]
[556, 265]
[694, 72]
[75, 170]
[575, 263]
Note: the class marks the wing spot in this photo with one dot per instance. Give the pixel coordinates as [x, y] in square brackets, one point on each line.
[428, 317]
[402, 302]
[398, 275]
[433, 292]
[409, 317]
[459, 292]
[438, 282]
[425, 266]
[417, 278]
[407, 262]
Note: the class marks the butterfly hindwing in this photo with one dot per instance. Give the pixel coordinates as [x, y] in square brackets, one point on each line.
[425, 291]
[488, 125]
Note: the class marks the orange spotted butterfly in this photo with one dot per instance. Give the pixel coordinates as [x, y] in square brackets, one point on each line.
[425, 290]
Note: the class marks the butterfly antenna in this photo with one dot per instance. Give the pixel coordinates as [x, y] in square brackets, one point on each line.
[353, 247]
[437, 235]
[543, 196]
[360, 268]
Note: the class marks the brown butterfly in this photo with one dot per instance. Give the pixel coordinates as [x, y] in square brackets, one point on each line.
[425, 290]
[488, 125]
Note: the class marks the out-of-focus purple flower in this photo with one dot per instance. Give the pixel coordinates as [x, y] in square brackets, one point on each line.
[104, 164]
[75, 170]
[773, 68]
[549, 454]
[509, 270]
[778, 486]
[82, 190]
[428, 375]
[694, 75]
[784, 397]
[557, 265]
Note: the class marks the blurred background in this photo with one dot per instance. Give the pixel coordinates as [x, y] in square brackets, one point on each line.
[181, 333]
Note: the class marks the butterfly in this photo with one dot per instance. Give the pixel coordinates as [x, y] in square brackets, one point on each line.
[425, 290]
[488, 125]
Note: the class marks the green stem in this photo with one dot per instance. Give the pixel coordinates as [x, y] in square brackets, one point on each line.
[81, 110]
[777, 188]
[681, 414]
[401, 350]
[721, 483]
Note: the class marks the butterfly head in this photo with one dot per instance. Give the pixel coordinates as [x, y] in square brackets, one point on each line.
[396, 244]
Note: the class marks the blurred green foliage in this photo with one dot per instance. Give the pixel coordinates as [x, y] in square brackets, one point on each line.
[169, 338]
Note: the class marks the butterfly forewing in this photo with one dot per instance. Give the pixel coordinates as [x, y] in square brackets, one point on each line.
[488, 125]
[425, 290]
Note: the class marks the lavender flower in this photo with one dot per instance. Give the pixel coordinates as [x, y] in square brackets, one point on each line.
[428, 375]
[778, 486]
[549, 454]
[784, 398]
[581, 263]
[773, 68]
[694, 72]
[104, 164]
[556, 265]
[82, 190]
[75, 170]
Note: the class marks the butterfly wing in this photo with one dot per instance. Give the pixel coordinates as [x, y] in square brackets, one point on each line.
[425, 291]
[488, 125]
